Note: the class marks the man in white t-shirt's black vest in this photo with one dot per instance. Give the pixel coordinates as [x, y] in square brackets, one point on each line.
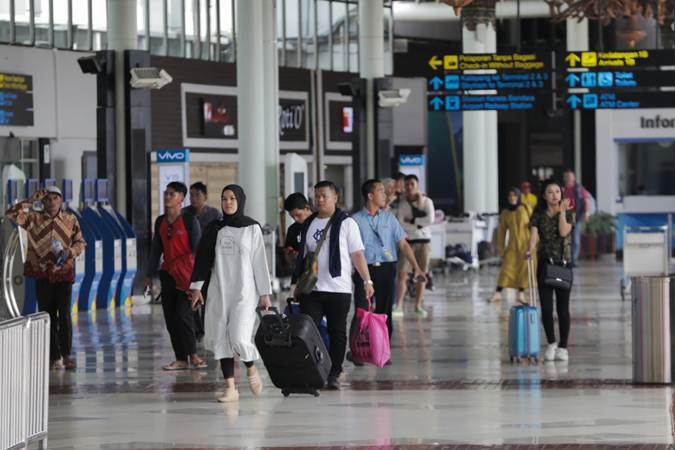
[341, 252]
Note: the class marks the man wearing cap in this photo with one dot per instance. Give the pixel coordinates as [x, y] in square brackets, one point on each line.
[527, 197]
[54, 241]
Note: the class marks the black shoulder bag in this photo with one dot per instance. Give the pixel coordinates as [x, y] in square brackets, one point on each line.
[558, 275]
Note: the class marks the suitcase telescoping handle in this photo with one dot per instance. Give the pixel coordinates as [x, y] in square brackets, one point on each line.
[532, 281]
[271, 310]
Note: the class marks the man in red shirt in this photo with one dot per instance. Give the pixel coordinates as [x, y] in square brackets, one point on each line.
[176, 237]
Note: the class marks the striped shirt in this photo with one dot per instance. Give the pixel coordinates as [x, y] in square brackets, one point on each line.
[43, 230]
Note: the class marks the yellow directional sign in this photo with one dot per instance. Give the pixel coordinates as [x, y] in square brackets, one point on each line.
[511, 61]
[435, 62]
[450, 62]
[572, 59]
[589, 59]
[620, 60]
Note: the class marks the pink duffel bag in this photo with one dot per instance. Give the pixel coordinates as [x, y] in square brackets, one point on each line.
[369, 341]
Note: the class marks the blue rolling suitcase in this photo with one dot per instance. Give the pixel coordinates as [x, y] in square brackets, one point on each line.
[524, 338]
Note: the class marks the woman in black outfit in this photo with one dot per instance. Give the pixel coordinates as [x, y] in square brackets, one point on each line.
[550, 227]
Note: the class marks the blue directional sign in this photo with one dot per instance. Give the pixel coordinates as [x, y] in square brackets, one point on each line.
[590, 101]
[589, 79]
[504, 102]
[452, 82]
[573, 80]
[436, 103]
[621, 100]
[436, 83]
[503, 81]
[453, 103]
[606, 79]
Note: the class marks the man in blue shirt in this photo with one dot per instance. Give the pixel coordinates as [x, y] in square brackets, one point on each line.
[381, 233]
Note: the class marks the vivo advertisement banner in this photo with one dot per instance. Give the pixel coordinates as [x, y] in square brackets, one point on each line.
[414, 165]
[173, 165]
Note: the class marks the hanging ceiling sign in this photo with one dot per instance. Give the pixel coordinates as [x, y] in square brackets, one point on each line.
[618, 60]
[619, 79]
[491, 61]
[538, 80]
[621, 100]
[491, 102]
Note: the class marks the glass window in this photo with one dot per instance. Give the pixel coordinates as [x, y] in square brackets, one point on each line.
[292, 32]
[280, 31]
[175, 23]
[204, 5]
[353, 37]
[80, 24]
[226, 30]
[323, 32]
[339, 31]
[388, 56]
[647, 168]
[156, 26]
[307, 27]
[100, 23]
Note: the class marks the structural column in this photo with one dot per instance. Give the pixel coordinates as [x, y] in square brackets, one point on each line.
[577, 41]
[121, 36]
[271, 100]
[371, 66]
[481, 188]
[258, 107]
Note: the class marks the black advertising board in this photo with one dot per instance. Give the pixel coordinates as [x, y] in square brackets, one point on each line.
[620, 100]
[619, 60]
[491, 102]
[341, 121]
[292, 120]
[16, 99]
[211, 116]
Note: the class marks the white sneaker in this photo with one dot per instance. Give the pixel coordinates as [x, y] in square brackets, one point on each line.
[561, 354]
[550, 353]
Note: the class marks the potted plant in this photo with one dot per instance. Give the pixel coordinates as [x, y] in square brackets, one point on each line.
[600, 229]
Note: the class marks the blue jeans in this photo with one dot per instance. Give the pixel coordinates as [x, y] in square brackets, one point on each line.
[576, 241]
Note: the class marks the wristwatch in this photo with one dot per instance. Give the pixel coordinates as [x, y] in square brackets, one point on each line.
[370, 282]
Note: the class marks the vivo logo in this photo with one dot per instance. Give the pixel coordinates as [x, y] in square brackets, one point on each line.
[291, 117]
[412, 160]
[172, 156]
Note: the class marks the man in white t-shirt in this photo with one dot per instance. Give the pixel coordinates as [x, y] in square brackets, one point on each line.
[341, 252]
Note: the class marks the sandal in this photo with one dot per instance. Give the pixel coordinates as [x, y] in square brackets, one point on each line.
[176, 365]
[198, 363]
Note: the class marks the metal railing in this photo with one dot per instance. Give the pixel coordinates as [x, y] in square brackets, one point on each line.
[24, 381]
[24, 373]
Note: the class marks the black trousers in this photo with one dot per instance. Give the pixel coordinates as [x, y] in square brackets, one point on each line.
[179, 318]
[384, 280]
[335, 306]
[562, 303]
[54, 299]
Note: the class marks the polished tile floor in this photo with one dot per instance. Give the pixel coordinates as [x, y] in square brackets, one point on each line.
[450, 385]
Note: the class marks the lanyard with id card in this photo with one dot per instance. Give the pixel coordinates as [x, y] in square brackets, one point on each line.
[387, 254]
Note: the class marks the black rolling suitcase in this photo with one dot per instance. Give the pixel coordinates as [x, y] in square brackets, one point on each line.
[293, 352]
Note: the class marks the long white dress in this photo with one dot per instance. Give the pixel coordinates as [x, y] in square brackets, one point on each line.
[239, 276]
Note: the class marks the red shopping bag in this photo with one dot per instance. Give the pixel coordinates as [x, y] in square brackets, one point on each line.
[369, 341]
